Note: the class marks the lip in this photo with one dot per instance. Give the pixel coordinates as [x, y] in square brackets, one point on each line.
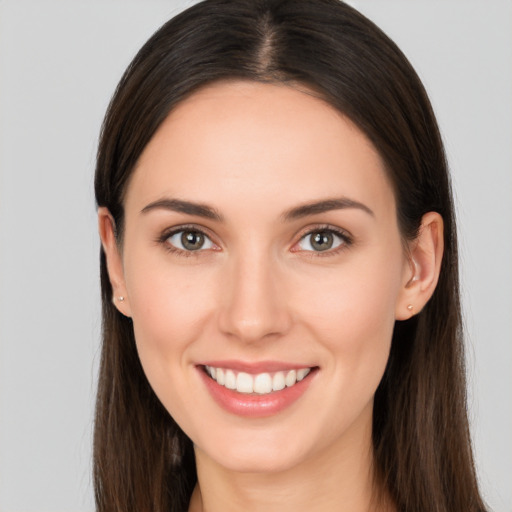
[252, 405]
[255, 367]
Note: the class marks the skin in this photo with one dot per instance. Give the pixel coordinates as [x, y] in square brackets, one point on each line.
[259, 291]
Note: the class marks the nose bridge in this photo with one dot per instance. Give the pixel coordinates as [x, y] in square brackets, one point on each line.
[253, 306]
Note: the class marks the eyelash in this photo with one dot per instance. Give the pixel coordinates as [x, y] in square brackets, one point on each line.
[163, 239]
[346, 240]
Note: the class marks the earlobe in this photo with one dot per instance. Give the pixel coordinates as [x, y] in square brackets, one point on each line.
[106, 227]
[423, 268]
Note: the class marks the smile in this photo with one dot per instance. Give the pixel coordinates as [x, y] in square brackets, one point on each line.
[256, 390]
[261, 383]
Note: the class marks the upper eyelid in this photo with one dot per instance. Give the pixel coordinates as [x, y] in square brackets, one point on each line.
[325, 227]
[186, 227]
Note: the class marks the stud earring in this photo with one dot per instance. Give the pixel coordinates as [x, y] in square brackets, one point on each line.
[121, 299]
[409, 307]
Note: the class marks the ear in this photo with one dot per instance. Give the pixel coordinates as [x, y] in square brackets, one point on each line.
[106, 227]
[422, 268]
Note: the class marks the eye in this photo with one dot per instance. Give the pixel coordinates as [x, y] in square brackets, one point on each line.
[189, 240]
[322, 240]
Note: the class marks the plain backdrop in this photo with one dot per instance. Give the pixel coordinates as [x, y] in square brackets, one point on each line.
[59, 64]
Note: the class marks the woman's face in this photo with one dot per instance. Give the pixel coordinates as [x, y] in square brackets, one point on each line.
[261, 244]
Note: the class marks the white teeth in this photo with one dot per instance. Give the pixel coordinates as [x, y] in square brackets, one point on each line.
[291, 378]
[278, 382]
[302, 373]
[230, 379]
[244, 383]
[262, 383]
[221, 376]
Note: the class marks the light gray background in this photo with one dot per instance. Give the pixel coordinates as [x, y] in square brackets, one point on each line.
[59, 64]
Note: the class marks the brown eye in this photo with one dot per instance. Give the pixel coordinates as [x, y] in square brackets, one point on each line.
[190, 240]
[322, 240]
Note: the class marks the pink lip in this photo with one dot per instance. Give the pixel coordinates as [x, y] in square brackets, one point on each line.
[255, 367]
[255, 406]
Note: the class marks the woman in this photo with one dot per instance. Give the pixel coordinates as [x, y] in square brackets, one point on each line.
[279, 273]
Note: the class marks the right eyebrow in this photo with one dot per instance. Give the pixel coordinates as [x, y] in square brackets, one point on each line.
[181, 206]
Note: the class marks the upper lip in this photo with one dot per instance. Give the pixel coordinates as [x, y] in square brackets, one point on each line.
[255, 367]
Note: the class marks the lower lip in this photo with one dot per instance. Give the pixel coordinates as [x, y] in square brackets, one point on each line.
[255, 406]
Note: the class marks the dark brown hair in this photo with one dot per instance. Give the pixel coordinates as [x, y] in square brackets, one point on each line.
[142, 459]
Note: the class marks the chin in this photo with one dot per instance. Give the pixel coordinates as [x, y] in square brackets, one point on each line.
[259, 461]
[255, 450]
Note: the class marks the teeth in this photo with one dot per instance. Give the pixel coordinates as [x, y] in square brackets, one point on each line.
[262, 383]
[230, 379]
[300, 373]
[278, 381]
[244, 383]
[291, 378]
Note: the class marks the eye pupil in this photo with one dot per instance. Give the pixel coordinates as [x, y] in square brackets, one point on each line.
[322, 241]
[192, 240]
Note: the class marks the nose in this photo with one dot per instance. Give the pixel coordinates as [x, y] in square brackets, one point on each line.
[254, 305]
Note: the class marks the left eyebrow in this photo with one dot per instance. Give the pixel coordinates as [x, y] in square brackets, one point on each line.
[326, 205]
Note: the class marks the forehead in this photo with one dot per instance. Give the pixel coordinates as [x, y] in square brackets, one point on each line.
[254, 140]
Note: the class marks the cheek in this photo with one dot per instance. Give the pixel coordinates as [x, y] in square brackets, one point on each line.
[361, 293]
[169, 306]
[353, 315]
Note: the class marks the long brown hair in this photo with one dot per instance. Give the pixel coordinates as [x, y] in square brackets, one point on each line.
[142, 459]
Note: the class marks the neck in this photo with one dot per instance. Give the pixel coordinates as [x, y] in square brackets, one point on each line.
[339, 479]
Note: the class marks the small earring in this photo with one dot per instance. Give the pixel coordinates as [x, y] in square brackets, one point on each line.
[409, 307]
[121, 299]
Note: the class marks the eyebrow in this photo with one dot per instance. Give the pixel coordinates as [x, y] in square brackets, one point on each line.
[326, 205]
[299, 212]
[178, 205]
